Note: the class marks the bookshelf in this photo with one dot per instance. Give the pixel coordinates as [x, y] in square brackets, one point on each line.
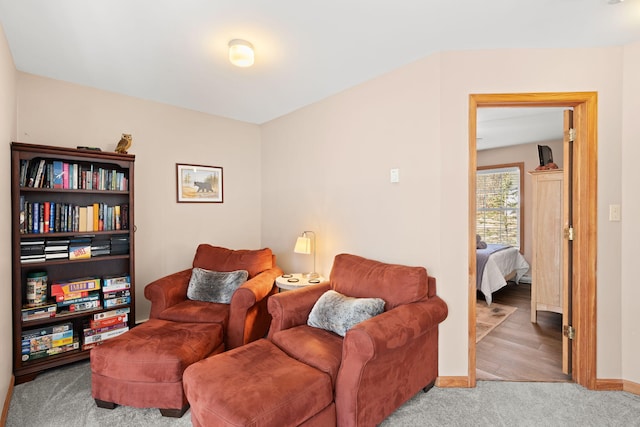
[72, 231]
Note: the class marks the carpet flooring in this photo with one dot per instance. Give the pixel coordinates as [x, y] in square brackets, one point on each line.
[62, 398]
[488, 317]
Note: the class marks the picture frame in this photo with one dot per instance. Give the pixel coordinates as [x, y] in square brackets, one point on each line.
[199, 183]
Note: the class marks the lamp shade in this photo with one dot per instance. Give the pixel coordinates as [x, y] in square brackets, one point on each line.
[241, 53]
[303, 245]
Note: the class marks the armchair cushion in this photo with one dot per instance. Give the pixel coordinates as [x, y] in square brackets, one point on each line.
[214, 286]
[197, 312]
[338, 313]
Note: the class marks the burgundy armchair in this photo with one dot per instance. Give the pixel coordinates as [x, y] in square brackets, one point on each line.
[245, 319]
[381, 362]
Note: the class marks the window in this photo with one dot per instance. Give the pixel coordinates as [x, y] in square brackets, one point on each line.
[499, 192]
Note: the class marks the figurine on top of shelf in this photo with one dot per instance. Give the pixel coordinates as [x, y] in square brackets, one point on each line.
[124, 143]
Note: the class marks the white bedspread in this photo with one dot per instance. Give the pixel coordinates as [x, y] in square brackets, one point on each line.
[499, 265]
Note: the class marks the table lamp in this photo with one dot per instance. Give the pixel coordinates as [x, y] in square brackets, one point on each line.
[304, 245]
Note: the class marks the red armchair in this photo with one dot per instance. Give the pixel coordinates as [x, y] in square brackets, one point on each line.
[245, 319]
[381, 362]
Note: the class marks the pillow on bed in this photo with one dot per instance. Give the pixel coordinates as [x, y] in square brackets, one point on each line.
[338, 313]
[479, 243]
[214, 286]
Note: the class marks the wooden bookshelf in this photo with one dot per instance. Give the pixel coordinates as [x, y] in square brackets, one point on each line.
[100, 179]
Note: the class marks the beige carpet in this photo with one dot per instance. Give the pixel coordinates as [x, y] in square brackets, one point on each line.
[488, 317]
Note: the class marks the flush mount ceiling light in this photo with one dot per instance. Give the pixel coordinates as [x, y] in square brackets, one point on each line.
[614, 1]
[241, 53]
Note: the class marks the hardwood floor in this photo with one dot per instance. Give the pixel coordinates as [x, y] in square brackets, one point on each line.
[518, 350]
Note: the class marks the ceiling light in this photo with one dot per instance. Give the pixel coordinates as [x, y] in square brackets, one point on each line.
[614, 1]
[240, 53]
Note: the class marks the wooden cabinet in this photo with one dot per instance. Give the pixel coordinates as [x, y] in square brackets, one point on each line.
[50, 189]
[547, 239]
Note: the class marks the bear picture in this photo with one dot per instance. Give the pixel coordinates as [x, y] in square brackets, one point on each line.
[198, 183]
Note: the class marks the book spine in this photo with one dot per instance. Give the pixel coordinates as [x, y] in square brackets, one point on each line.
[72, 301]
[114, 302]
[111, 313]
[105, 336]
[81, 306]
[47, 330]
[101, 330]
[109, 321]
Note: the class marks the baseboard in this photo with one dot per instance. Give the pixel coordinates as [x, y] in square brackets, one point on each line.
[452, 382]
[608, 384]
[7, 401]
[631, 387]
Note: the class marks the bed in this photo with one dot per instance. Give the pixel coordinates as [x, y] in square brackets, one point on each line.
[495, 265]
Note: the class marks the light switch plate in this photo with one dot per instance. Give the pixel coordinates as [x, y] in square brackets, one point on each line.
[614, 213]
[394, 175]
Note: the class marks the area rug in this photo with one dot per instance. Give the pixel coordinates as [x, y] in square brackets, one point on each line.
[489, 317]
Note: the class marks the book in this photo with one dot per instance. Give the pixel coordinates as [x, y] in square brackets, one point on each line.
[80, 248]
[65, 302]
[76, 285]
[46, 330]
[82, 306]
[105, 335]
[87, 332]
[111, 313]
[114, 302]
[74, 345]
[108, 321]
[41, 312]
[90, 218]
[71, 295]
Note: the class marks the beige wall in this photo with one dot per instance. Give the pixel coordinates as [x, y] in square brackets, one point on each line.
[326, 168]
[630, 297]
[7, 134]
[527, 153]
[57, 113]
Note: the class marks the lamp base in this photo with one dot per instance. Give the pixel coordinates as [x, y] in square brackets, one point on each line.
[310, 275]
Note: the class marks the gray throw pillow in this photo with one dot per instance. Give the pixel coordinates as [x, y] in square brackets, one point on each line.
[214, 286]
[338, 313]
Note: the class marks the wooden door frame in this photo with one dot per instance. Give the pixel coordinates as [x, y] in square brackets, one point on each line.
[584, 222]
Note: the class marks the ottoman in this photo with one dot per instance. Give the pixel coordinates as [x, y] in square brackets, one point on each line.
[143, 367]
[258, 385]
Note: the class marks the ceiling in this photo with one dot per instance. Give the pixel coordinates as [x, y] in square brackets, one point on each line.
[175, 52]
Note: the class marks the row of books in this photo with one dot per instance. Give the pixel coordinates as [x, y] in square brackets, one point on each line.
[79, 247]
[48, 341]
[43, 173]
[104, 326]
[52, 217]
[82, 294]
[53, 340]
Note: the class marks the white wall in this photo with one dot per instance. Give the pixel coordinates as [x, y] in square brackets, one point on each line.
[630, 215]
[7, 134]
[326, 168]
[52, 112]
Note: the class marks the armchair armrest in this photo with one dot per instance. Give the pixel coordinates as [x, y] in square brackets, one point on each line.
[248, 318]
[292, 308]
[398, 348]
[167, 291]
[395, 328]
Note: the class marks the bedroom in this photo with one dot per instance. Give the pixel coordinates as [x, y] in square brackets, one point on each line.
[507, 149]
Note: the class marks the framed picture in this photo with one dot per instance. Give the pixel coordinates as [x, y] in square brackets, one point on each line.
[199, 183]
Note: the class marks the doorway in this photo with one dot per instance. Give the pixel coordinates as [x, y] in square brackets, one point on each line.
[584, 104]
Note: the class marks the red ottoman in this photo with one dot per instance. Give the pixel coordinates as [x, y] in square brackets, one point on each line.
[258, 385]
[143, 367]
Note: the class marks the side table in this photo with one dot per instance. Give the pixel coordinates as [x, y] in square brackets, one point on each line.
[296, 281]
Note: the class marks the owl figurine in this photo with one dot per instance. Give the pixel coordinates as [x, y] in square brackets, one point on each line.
[124, 143]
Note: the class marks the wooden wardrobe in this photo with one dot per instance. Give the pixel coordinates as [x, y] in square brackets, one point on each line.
[547, 239]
